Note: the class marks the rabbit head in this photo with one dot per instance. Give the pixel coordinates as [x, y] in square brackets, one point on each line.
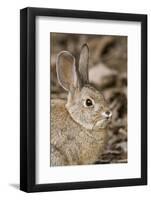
[85, 104]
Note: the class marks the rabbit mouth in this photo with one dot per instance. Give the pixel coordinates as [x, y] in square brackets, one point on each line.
[101, 123]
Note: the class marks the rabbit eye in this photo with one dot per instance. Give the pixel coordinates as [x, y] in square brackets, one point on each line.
[89, 102]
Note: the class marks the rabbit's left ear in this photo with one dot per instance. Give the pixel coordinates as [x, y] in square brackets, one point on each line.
[66, 70]
[83, 64]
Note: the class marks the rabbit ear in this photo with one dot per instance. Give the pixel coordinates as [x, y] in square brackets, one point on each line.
[66, 71]
[83, 63]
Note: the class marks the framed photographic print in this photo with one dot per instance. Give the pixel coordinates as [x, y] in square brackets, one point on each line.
[83, 99]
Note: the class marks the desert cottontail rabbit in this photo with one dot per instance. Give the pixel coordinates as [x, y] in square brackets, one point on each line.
[78, 125]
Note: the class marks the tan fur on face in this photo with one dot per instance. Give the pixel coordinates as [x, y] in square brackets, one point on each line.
[85, 116]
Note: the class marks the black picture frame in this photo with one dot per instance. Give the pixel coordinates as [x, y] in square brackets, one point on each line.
[28, 98]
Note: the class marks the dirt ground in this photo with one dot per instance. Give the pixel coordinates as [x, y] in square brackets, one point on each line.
[108, 72]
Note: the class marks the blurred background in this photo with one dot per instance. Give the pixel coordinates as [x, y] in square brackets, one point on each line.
[108, 73]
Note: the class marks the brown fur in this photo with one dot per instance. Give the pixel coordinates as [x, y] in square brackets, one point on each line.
[72, 144]
[78, 129]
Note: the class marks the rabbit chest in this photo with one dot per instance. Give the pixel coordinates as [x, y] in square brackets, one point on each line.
[74, 143]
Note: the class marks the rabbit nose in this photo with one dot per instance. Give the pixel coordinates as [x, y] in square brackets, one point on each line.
[107, 114]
